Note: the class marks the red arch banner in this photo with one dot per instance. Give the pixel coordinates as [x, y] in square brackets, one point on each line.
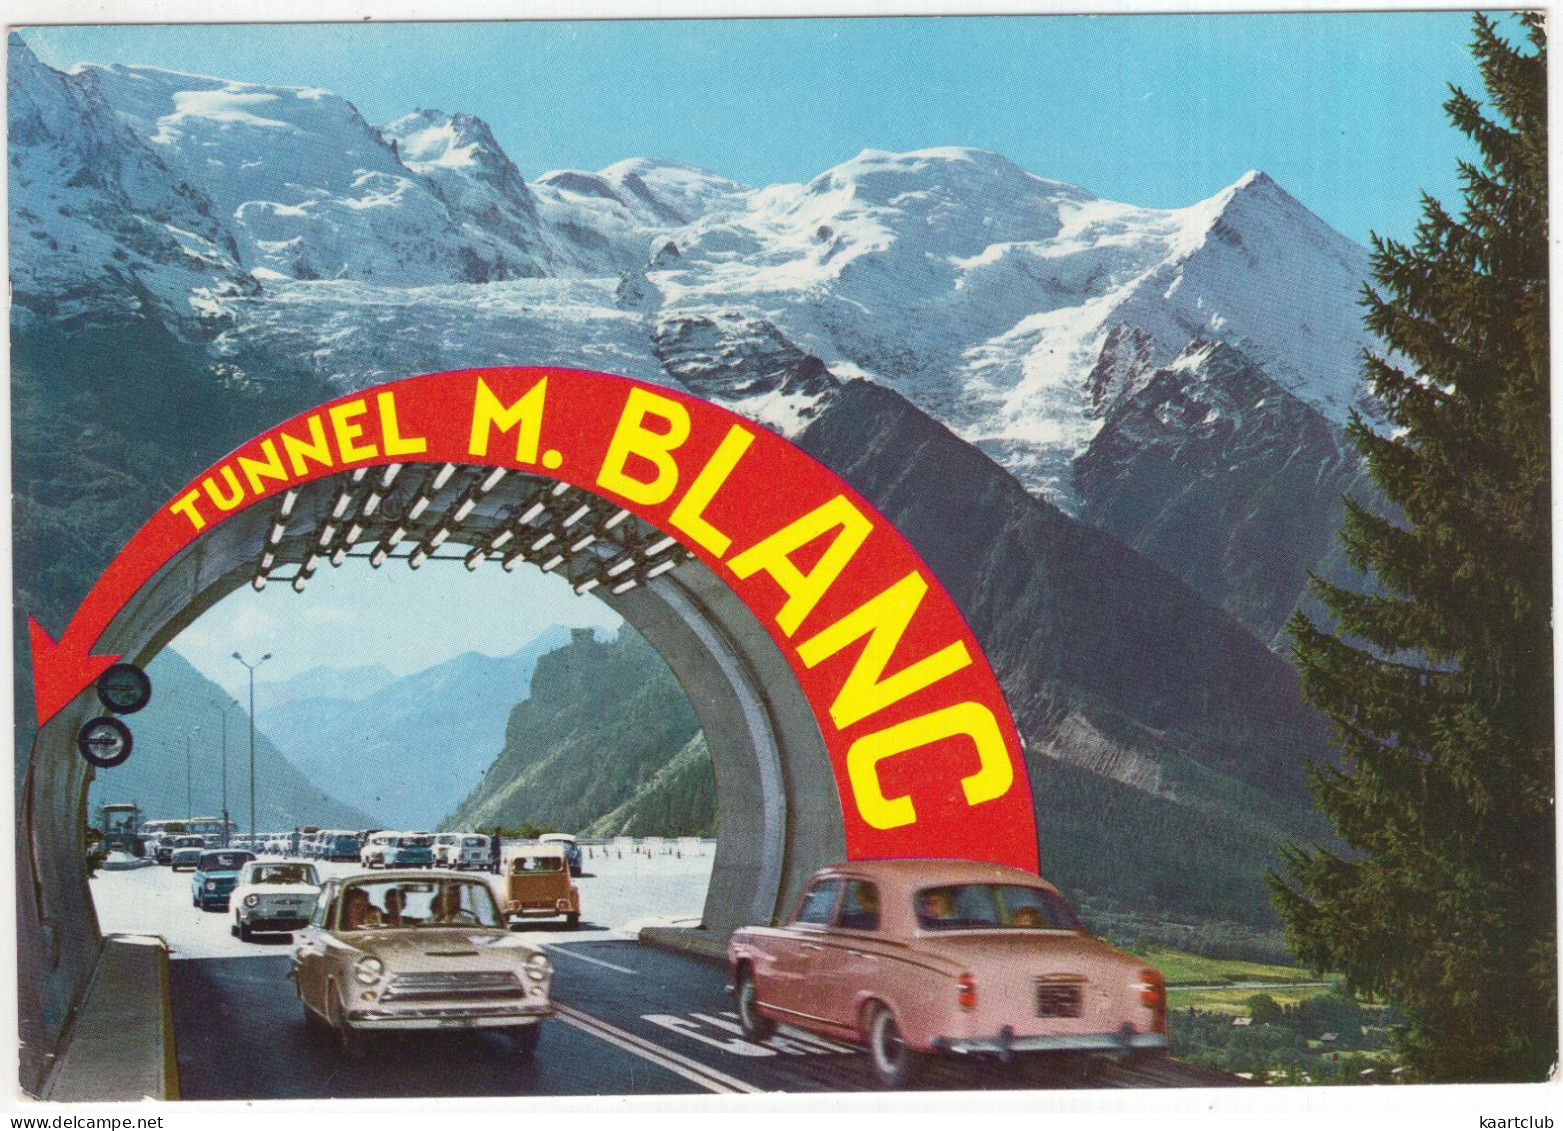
[925, 753]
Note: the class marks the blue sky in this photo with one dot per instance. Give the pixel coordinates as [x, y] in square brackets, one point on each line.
[1343, 109]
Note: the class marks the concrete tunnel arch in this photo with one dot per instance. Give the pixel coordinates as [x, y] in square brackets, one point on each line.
[779, 782]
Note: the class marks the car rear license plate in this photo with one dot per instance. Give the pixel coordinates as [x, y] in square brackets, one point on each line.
[1058, 999]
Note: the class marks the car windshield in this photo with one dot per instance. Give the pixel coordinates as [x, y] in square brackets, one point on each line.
[190, 842]
[1007, 906]
[475, 842]
[417, 903]
[283, 874]
[225, 861]
[414, 842]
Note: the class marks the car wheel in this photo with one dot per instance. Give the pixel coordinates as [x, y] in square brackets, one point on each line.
[245, 932]
[573, 919]
[348, 1042]
[233, 929]
[525, 1038]
[895, 1063]
[756, 1026]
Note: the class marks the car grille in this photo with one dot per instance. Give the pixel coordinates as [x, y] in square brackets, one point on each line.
[453, 984]
[1058, 999]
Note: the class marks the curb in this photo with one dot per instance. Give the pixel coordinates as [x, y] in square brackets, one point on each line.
[698, 943]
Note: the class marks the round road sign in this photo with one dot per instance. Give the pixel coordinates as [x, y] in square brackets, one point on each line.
[105, 742]
[124, 689]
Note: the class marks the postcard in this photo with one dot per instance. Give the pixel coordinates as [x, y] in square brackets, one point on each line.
[713, 557]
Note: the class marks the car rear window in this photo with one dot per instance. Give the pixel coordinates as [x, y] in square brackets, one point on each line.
[1001, 906]
[225, 861]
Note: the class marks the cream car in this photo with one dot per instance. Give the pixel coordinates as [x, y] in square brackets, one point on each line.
[417, 950]
[273, 896]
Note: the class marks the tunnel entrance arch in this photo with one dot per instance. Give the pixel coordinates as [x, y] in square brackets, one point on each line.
[848, 708]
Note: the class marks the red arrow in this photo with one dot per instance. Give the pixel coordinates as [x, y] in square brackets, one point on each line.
[63, 669]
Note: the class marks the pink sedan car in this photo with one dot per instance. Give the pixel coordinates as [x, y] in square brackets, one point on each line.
[913, 957]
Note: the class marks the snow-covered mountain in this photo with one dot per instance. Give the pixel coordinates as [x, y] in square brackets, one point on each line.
[101, 230]
[1022, 312]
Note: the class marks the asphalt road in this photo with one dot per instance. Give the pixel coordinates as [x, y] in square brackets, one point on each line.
[632, 1020]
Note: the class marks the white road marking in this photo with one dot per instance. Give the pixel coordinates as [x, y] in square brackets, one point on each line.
[691, 1030]
[793, 1032]
[594, 961]
[691, 1070]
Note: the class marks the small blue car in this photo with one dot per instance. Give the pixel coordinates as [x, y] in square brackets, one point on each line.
[216, 875]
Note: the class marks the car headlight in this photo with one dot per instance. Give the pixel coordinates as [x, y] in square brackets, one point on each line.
[251, 900]
[538, 967]
[368, 970]
[211, 885]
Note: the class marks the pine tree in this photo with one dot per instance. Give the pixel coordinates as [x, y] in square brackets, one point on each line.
[1438, 675]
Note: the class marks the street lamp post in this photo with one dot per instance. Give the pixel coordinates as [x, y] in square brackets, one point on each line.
[223, 709]
[189, 775]
[252, 668]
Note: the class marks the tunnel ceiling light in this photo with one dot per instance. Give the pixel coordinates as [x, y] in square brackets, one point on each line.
[260, 582]
[625, 586]
[267, 559]
[660, 546]
[492, 480]
[354, 533]
[278, 529]
[543, 541]
[510, 562]
[464, 508]
[583, 543]
[327, 533]
[500, 539]
[477, 558]
[576, 515]
[299, 581]
[419, 506]
[439, 537]
[311, 563]
[395, 536]
[419, 556]
[532, 512]
[620, 566]
[549, 565]
[288, 501]
[392, 470]
[377, 559]
[619, 517]
[588, 585]
[359, 473]
[371, 504]
[660, 568]
[338, 556]
[560, 488]
[340, 508]
[442, 477]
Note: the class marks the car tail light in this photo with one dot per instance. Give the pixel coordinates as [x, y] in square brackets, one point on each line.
[966, 991]
[1153, 995]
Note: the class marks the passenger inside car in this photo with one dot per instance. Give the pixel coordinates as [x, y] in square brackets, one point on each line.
[357, 912]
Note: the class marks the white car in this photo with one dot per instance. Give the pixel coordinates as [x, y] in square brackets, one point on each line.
[461, 850]
[186, 852]
[273, 896]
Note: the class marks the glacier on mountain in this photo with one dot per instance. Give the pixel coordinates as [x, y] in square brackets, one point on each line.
[1016, 309]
